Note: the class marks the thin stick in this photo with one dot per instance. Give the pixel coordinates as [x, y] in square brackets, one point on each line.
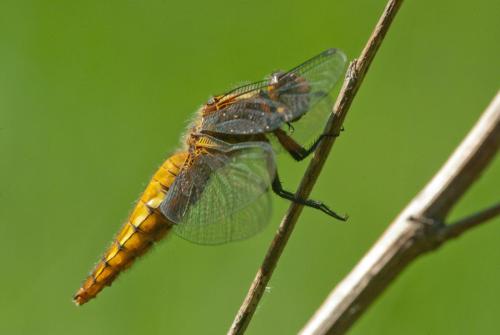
[355, 75]
[419, 228]
[461, 226]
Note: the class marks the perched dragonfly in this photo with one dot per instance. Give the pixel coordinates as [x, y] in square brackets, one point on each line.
[216, 188]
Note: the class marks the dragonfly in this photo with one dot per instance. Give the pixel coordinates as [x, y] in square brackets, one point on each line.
[217, 187]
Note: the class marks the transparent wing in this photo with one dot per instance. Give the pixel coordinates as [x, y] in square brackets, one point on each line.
[247, 89]
[223, 195]
[286, 97]
[250, 115]
[311, 124]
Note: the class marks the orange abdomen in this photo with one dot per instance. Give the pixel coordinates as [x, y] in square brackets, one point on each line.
[145, 225]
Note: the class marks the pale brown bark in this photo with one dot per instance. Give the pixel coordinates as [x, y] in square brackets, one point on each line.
[418, 229]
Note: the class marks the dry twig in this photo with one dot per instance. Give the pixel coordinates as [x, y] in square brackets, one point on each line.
[354, 77]
[419, 228]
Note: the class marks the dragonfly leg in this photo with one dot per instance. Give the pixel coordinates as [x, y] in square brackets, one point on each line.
[296, 150]
[278, 189]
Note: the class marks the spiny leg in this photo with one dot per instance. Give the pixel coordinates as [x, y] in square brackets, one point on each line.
[278, 189]
[297, 151]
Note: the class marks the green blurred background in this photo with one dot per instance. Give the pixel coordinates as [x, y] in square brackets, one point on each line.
[95, 94]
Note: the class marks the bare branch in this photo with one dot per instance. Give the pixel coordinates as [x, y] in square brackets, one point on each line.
[354, 78]
[461, 226]
[419, 228]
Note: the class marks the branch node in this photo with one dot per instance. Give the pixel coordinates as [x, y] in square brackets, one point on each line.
[418, 229]
[425, 221]
[427, 232]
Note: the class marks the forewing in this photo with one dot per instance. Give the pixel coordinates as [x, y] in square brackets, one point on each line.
[262, 107]
[319, 76]
[244, 91]
[223, 196]
[245, 116]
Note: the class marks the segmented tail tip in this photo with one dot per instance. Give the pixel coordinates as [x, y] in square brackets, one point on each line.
[80, 298]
